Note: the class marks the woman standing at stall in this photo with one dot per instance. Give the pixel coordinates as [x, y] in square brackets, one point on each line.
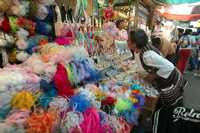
[162, 74]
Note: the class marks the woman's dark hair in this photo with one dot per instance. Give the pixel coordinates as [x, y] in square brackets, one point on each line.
[156, 41]
[118, 23]
[188, 31]
[180, 30]
[198, 31]
[139, 37]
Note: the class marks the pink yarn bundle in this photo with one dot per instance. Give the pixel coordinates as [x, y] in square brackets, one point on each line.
[91, 123]
[17, 117]
[62, 82]
[64, 40]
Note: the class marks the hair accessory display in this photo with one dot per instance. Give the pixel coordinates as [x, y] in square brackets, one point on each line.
[63, 76]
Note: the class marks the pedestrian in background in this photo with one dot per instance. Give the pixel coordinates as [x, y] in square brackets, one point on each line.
[185, 51]
[167, 48]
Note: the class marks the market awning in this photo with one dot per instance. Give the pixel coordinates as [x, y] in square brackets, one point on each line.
[181, 12]
[191, 17]
[172, 2]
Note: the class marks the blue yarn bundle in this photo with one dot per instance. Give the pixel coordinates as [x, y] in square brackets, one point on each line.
[4, 112]
[33, 42]
[49, 17]
[48, 88]
[82, 72]
[49, 92]
[94, 75]
[80, 102]
[76, 71]
[43, 28]
[141, 101]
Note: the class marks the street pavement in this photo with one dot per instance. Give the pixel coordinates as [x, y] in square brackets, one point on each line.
[192, 92]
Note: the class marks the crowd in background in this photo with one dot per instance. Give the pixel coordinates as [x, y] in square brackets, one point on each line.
[183, 49]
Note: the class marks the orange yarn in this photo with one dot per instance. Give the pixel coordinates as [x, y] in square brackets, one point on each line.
[40, 123]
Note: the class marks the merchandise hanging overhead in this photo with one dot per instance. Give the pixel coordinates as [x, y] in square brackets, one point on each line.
[176, 1]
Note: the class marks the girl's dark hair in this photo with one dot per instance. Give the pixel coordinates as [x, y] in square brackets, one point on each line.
[156, 41]
[188, 31]
[118, 23]
[180, 30]
[139, 37]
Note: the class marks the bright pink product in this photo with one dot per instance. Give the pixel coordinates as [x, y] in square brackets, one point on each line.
[91, 123]
[62, 82]
[64, 40]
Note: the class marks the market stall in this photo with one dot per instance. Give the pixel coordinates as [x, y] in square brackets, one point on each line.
[65, 76]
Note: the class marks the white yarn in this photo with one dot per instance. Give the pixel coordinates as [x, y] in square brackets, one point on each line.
[21, 44]
[59, 103]
[42, 12]
[22, 56]
[3, 42]
[36, 64]
[72, 120]
[22, 33]
[10, 39]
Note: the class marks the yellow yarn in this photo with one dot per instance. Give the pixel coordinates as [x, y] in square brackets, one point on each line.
[100, 95]
[50, 49]
[133, 100]
[23, 100]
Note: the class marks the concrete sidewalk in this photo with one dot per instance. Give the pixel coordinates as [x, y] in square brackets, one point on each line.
[192, 92]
